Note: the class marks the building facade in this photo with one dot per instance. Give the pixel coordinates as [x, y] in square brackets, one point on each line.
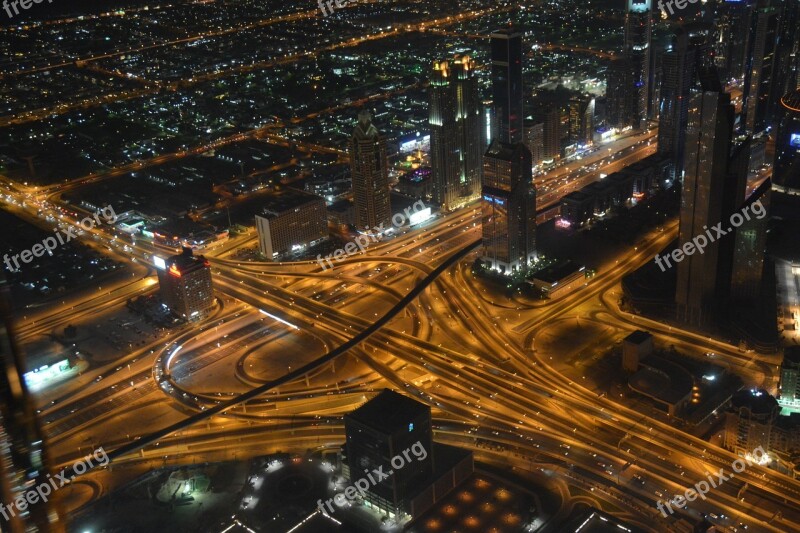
[185, 286]
[456, 133]
[507, 97]
[369, 169]
[292, 221]
[508, 207]
[677, 77]
[708, 143]
[638, 29]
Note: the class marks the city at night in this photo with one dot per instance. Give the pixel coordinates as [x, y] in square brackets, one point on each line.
[384, 266]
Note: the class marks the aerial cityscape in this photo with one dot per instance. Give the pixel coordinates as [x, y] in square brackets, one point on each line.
[368, 266]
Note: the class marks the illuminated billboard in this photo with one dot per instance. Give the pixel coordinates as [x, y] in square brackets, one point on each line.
[794, 140]
[159, 262]
[419, 216]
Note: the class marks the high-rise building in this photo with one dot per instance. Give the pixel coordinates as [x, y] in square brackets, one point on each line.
[508, 207]
[369, 169]
[708, 142]
[786, 172]
[23, 458]
[638, 28]
[508, 198]
[552, 134]
[534, 140]
[732, 38]
[507, 86]
[617, 109]
[790, 376]
[581, 119]
[185, 284]
[290, 221]
[456, 133]
[788, 51]
[381, 429]
[760, 73]
[678, 73]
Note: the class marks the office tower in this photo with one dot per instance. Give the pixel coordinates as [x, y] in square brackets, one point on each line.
[552, 133]
[507, 86]
[534, 140]
[23, 458]
[732, 38]
[617, 109]
[290, 221]
[455, 123]
[508, 207]
[790, 375]
[379, 430]
[788, 50]
[637, 52]
[749, 247]
[656, 74]
[708, 141]
[761, 64]
[185, 285]
[786, 172]
[369, 169]
[678, 72]
[581, 119]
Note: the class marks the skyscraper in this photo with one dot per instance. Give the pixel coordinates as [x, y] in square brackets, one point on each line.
[508, 207]
[678, 73]
[507, 86]
[456, 144]
[369, 169]
[23, 458]
[732, 37]
[185, 284]
[508, 202]
[708, 142]
[638, 28]
[761, 64]
[786, 172]
[581, 119]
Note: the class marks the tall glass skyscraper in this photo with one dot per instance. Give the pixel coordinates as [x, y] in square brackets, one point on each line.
[708, 143]
[456, 133]
[638, 29]
[507, 86]
[760, 74]
[732, 38]
[369, 169]
[678, 66]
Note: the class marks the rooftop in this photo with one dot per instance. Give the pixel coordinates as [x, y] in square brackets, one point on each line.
[388, 410]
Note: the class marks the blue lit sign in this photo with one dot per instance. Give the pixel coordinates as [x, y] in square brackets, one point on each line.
[493, 200]
[794, 140]
[410, 428]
